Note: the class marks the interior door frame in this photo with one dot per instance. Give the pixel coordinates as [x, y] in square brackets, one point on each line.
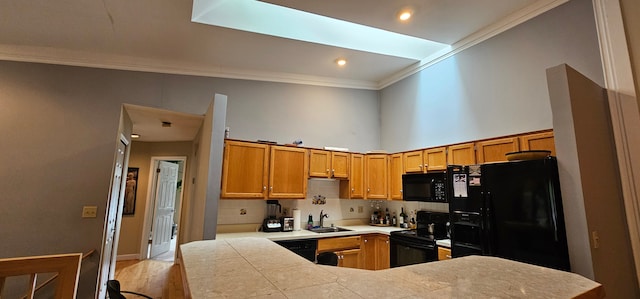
[151, 198]
[118, 223]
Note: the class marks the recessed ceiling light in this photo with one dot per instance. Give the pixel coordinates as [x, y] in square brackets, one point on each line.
[405, 14]
[135, 136]
[341, 61]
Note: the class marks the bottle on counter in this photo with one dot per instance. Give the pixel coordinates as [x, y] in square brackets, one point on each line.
[310, 222]
[394, 220]
[401, 219]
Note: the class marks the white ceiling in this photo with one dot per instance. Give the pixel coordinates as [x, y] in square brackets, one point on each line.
[159, 36]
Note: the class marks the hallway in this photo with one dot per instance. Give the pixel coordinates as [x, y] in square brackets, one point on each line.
[158, 279]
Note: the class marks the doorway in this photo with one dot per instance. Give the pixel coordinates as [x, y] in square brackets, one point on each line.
[163, 209]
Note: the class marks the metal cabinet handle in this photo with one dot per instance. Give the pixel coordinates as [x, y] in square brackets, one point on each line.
[448, 256]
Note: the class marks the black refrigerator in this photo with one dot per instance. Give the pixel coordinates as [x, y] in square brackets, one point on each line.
[511, 210]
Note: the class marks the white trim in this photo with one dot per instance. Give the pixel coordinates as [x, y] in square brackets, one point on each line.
[513, 20]
[625, 117]
[149, 206]
[127, 257]
[97, 60]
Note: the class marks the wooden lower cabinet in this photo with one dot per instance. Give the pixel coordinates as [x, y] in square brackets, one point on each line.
[375, 252]
[444, 253]
[349, 258]
[346, 248]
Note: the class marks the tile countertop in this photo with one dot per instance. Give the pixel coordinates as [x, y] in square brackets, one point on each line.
[257, 267]
[305, 234]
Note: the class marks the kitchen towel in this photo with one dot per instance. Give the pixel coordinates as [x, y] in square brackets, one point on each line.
[296, 219]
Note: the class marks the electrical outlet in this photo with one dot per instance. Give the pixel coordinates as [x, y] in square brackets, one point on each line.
[596, 239]
[360, 209]
[351, 210]
[89, 212]
[243, 211]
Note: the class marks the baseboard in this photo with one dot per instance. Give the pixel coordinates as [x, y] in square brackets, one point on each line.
[127, 257]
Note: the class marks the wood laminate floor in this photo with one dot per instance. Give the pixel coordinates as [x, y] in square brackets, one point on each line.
[157, 279]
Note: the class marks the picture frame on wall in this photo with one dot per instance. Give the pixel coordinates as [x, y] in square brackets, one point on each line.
[131, 188]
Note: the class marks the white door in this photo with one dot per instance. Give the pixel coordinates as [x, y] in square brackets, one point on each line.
[164, 208]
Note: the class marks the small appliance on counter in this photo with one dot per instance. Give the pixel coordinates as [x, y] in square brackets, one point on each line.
[287, 224]
[272, 223]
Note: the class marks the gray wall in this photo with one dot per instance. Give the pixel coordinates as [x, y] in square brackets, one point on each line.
[495, 88]
[59, 129]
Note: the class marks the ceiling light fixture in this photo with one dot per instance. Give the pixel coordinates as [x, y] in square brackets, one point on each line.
[405, 15]
[341, 61]
[135, 136]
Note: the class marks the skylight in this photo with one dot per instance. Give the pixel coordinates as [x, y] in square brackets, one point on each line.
[265, 18]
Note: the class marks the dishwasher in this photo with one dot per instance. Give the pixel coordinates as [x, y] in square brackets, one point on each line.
[305, 248]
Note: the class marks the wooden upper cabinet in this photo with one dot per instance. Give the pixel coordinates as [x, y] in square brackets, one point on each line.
[245, 170]
[288, 172]
[340, 165]
[462, 154]
[435, 158]
[395, 176]
[354, 187]
[328, 164]
[319, 163]
[494, 150]
[413, 161]
[538, 141]
[376, 176]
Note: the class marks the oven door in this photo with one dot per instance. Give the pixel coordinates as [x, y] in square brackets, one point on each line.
[404, 252]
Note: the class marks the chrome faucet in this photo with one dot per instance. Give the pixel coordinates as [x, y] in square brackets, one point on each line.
[322, 216]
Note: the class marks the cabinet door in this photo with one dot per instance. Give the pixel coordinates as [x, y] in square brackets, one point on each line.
[288, 172]
[462, 154]
[395, 176]
[376, 176]
[538, 141]
[349, 258]
[245, 170]
[444, 253]
[319, 163]
[435, 158]
[494, 150]
[368, 252]
[340, 165]
[354, 187]
[413, 162]
[382, 252]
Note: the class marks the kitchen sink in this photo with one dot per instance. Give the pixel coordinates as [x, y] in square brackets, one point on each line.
[329, 229]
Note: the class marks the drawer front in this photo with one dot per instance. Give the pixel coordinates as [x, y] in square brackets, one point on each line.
[444, 253]
[334, 244]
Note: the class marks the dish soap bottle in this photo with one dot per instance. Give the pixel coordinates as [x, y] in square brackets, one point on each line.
[310, 222]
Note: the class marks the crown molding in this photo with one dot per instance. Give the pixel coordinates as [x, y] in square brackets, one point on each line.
[484, 34]
[118, 62]
[58, 56]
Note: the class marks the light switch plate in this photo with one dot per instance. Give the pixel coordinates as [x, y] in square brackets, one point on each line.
[89, 212]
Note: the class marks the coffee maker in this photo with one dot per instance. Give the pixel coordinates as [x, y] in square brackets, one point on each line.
[272, 222]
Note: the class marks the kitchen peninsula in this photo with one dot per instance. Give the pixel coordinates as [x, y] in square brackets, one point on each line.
[257, 267]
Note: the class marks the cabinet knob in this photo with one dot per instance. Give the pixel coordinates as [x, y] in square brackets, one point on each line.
[368, 189]
[426, 165]
[327, 170]
[365, 240]
[264, 187]
[353, 190]
[419, 166]
[271, 188]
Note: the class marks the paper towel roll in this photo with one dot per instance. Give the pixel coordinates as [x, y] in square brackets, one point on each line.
[296, 219]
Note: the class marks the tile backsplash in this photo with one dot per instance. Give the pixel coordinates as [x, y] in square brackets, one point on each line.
[242, 211]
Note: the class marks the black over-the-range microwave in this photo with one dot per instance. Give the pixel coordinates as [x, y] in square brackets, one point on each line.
[429, 187]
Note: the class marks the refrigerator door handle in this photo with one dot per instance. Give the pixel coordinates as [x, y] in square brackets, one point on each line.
[486, 223]
[554, 211]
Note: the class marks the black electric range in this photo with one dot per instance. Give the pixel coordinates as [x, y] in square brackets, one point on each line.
[408, 247]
